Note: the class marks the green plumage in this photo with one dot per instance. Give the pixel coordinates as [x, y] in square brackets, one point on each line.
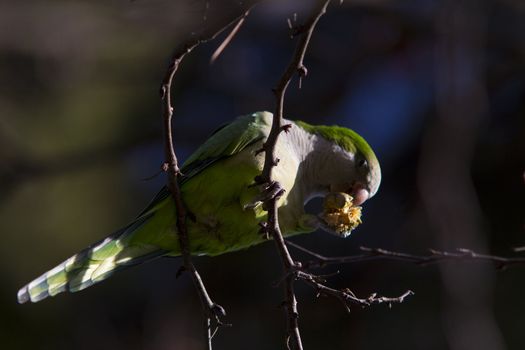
[217, 188]
[152, 234]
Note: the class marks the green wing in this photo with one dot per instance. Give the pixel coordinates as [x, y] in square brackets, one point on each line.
[224, 142]
[227, 141]
[137, 242]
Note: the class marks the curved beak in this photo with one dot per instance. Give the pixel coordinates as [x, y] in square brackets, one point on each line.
[360, 195]
[358, 191]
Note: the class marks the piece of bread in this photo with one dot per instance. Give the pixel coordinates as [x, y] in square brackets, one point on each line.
[340, 215]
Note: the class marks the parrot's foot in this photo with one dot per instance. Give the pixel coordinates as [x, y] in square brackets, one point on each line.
[269, 190]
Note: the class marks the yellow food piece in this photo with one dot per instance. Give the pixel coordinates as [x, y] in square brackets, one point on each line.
[339, 213]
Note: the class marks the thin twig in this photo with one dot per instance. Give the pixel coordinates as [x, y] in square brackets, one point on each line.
[293, 337]
[212, 311]
[435, 256]
[229, 38]
[347, 297]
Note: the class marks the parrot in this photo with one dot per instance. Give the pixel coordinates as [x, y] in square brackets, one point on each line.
[219, 190]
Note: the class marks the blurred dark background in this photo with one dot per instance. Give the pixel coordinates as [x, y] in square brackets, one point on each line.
[436, 87]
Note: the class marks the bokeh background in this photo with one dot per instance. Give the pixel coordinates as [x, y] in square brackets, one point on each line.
[436, 87]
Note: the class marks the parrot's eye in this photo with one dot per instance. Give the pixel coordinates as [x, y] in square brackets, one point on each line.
[362, 163]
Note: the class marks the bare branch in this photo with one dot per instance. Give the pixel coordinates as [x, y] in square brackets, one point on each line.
[292, 270]
[435, 256]
[229, 38]
[296, 66]
[293, 338]
[346, 296]
[212, 311]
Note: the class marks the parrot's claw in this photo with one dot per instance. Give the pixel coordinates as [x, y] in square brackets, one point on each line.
[269, 190]
[252, 205]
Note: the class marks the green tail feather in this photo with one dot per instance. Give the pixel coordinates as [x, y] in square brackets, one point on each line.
[92, 265]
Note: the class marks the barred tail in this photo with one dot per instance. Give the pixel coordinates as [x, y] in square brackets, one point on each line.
[92, 265]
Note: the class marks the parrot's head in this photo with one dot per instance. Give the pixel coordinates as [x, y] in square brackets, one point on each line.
[347, 173]
[356, 170]
[364, 172]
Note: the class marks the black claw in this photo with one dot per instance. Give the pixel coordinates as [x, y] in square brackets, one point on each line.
[272, 190]
[280, 193]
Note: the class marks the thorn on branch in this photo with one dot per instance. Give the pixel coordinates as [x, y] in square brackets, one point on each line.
[151, 177]
[293, 26]
[286, 128]
[289, 21]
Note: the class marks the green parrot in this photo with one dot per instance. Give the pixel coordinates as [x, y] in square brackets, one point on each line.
[217, 188]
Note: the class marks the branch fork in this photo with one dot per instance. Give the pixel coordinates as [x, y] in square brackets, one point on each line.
[272, 190]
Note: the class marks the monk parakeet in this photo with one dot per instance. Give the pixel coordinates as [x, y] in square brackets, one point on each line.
[217, 188]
